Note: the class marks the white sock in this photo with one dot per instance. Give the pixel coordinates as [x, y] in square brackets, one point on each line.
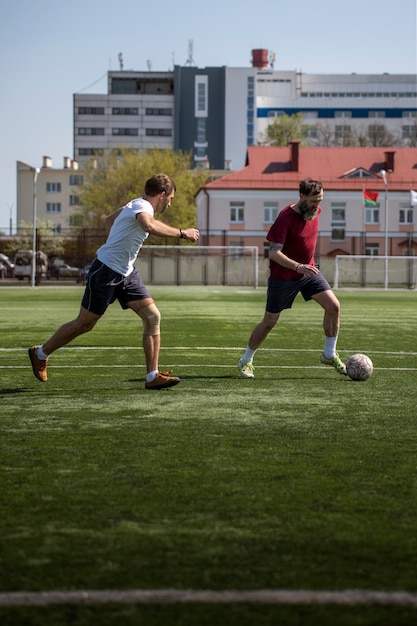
[151, 376]
[248, 356]
[330, 347]
[41, 354]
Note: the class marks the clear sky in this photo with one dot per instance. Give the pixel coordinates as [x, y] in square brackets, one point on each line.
[51, 49]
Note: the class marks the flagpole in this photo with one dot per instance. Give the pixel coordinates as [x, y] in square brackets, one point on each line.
[384, 176]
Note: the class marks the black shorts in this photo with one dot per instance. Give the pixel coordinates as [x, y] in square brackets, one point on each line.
[104, 286]
[281, 293]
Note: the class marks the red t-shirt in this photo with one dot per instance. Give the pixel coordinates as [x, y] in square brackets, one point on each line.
[298, 238]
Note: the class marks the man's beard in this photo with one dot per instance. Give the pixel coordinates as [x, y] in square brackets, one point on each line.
[308, 213]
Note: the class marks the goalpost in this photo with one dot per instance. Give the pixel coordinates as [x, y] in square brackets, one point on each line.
[199, 265]
[379, 272]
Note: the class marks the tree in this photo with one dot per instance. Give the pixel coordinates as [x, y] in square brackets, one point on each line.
[325, 134]
[283, 130]
[378, 135]
[121, 177]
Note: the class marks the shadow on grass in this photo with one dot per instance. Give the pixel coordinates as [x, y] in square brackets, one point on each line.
[247, 381]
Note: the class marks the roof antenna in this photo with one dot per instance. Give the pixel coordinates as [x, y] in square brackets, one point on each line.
[121, 61]
[190, 61]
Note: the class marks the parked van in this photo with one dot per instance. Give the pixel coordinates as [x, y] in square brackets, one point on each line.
[23, 264]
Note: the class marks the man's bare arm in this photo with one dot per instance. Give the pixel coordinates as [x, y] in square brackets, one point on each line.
[276, 255]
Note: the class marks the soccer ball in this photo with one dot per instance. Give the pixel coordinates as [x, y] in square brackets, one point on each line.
[359, 367]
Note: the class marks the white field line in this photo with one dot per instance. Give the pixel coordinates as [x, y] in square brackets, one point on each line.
[348, 597]
[202, 365]
[219, 349]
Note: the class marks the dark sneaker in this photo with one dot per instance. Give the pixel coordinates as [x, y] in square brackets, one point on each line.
[38, 366]
[163, 380]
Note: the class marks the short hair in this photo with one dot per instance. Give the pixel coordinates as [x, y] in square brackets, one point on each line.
[310, 187]
[159, 183]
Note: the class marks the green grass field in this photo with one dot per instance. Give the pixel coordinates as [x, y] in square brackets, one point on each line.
[300, 479]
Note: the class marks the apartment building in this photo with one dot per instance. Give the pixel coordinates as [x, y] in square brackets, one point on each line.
[54, 189]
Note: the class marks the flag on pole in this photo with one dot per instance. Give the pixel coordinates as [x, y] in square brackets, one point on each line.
[370, 198]
[413, 198]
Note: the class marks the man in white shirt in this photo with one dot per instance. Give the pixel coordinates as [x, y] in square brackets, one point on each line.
[113, 276]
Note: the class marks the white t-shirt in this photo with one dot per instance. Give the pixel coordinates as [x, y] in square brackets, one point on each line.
[125, 238]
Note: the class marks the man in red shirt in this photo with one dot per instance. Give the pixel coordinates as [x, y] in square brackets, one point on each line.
[293, 238]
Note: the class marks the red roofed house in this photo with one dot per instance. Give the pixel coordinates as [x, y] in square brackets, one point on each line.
[239, 208]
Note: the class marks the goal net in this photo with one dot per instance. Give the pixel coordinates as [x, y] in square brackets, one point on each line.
[375, 271]
[199, 265]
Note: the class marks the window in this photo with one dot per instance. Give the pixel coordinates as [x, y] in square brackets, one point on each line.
[343, 113]
[409, 132]
[125, 131]
[270, 212]
[342, 132]
[158, 132]
[201, 130]
[359, 173]
[338, 221]
[237, 212]
[53, 187]
[236, 250]
[75, 220]
[53, 207]
[406, 215]
[372, 215]
[74, 200]
[91, 131]
[201, 96]
[376, 130]
[76, 179]
[310, 131]
[275, 113]
[310, 115]
[125, 111]
[372, 249]
[90, 151]
[378, 114]
[156, 111]
[91, 110]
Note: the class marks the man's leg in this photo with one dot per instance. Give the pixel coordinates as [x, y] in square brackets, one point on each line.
[69, 331]
[262, 330]
[66, 333]
[331, 325]
[258, 336]
[151, 342]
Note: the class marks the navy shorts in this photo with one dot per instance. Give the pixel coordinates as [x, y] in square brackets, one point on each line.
[281, 293]
[104, 286]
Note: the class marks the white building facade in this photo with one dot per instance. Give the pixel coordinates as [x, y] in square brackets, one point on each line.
[56, 193]
[215, 113]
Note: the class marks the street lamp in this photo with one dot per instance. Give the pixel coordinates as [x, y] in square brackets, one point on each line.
[384, 177]
[35, 180]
